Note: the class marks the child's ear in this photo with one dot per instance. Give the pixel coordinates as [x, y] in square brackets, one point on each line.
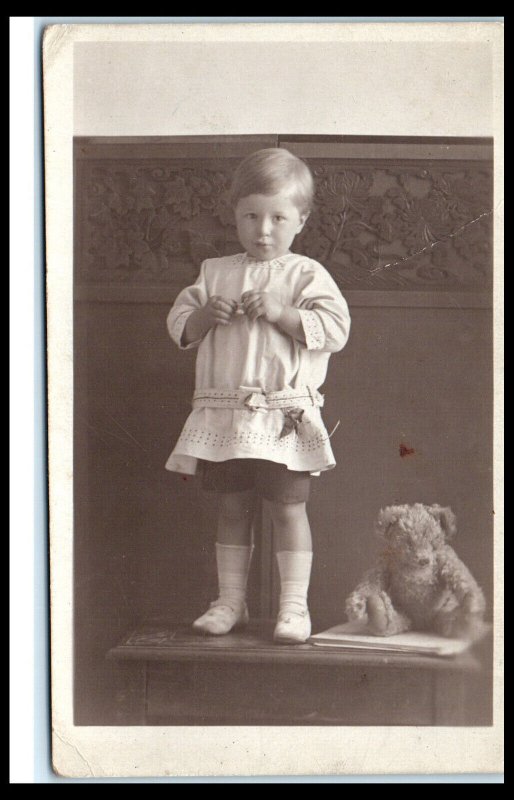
[303, 220]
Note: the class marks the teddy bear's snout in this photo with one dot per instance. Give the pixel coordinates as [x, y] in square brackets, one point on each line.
[423, 561]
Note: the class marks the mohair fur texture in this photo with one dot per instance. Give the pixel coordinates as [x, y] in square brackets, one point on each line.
[419, 582]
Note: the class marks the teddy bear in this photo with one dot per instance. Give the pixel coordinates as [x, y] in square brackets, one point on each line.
[418, 582]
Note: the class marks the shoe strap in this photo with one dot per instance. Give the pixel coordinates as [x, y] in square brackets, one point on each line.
[225, 604]
[286, 613]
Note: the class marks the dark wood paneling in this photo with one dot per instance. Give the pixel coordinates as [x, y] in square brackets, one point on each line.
[109, 293]
[150, 214]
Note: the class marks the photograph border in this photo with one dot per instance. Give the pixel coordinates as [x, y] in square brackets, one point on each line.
[57, 188]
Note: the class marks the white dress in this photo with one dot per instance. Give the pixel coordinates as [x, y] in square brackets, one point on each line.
[258, 355]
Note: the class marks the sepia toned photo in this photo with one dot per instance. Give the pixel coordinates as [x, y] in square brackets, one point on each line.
[271, 392]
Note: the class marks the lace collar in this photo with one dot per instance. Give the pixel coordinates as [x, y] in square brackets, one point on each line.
[274, 263]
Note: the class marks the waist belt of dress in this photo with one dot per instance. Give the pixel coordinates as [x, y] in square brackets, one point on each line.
[255, 399]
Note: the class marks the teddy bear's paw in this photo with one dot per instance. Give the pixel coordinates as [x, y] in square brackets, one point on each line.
[473, 627]
[383, 619]
[445, 624]
[474, 604]
[378, 618]
[457, 624]
[446, 604]
[355, 608]
[460, 626]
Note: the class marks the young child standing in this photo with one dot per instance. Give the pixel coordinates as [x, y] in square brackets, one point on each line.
[265, 323]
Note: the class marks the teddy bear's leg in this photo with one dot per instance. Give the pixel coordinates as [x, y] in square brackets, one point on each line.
[446, 612]
[459, 626]
[454, 619]
[383, 618]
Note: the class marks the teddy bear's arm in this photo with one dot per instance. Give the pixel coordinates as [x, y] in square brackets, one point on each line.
[374, 581]
[456, 576]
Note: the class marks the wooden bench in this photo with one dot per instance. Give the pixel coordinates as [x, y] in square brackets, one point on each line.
[172, 676]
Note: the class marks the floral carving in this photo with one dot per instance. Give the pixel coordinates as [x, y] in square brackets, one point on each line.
[374, 226]
[395, 227]
[152, 224]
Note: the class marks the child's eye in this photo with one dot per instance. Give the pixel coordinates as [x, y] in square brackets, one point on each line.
[279, 218]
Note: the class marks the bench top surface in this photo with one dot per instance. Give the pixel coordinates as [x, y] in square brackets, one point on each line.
[168, 641]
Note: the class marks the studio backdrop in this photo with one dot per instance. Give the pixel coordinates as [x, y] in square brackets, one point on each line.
[404, 226]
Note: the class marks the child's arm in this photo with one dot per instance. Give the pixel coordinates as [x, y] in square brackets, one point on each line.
[261, 304]
[290, 321]
[217, 311]
[323, 310]
[194, 312]
[319, 318]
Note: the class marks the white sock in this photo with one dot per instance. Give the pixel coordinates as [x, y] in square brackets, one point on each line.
[294, 568]
[233, 563]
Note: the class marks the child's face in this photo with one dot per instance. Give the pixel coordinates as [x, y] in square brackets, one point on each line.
[267, 224]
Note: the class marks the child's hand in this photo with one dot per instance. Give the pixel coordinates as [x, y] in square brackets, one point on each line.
[219, 311]
[262, 304]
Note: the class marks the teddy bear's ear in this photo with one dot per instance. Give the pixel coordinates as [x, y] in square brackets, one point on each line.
[386, 517]
[446, 519]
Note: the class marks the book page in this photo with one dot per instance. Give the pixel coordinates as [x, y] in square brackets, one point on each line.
[350, 634]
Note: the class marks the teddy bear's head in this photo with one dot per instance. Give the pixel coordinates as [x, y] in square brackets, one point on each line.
[414, 533]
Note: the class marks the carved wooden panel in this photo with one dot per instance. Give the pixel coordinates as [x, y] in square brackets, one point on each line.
[376, 225]
[152, 223]
[403, 226]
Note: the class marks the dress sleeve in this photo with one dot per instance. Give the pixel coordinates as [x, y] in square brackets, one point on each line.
[189, 299]
[323, 310]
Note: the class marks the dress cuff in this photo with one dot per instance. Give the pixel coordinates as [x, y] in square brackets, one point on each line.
[313, 330]
[177, 329]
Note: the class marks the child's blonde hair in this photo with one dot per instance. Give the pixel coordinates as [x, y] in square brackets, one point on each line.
[268, 172]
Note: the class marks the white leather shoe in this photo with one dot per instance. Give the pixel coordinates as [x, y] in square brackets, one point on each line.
[292, 627]
[221, 618]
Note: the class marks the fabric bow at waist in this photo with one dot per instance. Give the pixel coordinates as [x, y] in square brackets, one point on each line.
[255, 399]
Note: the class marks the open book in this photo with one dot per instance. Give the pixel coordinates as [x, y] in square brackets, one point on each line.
[352, 636]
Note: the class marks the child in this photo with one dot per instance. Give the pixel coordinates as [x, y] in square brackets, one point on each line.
[265, 323]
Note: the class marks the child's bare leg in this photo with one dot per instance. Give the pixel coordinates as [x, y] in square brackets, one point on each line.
[290, 526]
[294, 555]
[233, 555]
[235, 518]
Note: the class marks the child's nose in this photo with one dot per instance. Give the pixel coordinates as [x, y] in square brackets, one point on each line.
[265, 225]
